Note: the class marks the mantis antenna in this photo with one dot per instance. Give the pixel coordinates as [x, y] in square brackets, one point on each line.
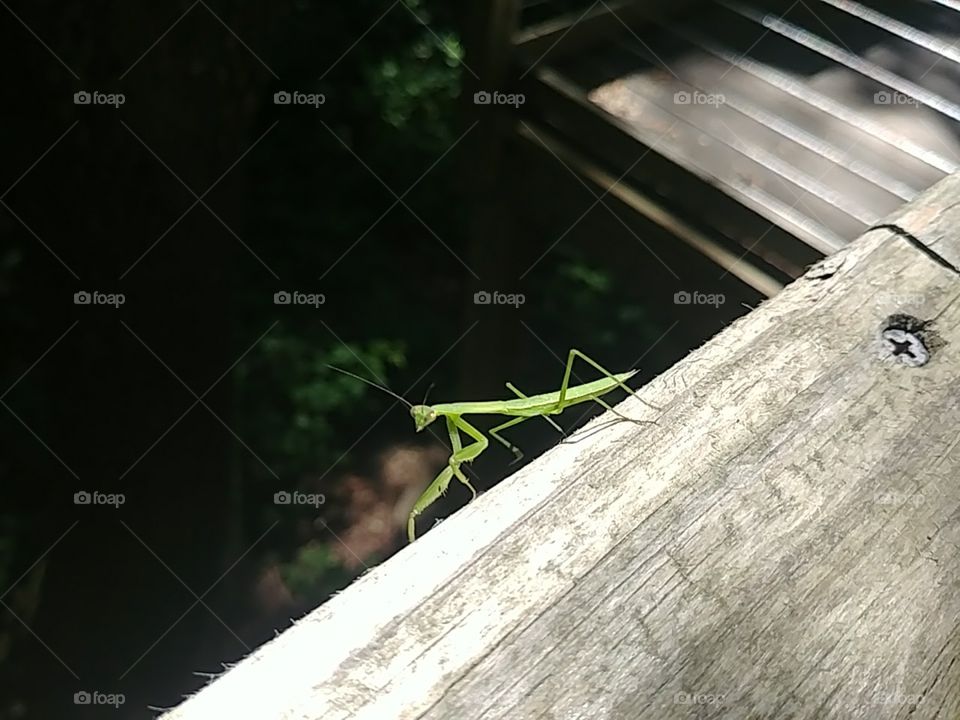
[427, 393]
[388, 391]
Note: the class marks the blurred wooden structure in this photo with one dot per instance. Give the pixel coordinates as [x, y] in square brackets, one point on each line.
[765, 134]
[782, 544]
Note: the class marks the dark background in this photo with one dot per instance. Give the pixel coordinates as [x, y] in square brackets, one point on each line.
[200, 398]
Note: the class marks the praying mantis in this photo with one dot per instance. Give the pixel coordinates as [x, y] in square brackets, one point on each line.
[519, 410]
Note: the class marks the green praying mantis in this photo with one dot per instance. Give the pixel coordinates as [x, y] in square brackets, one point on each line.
[520, 409]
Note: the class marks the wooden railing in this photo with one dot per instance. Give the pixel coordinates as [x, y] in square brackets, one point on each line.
[783, 543]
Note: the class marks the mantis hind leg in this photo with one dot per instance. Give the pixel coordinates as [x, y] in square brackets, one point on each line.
[573, 354]
[513, 388]
[495, 434]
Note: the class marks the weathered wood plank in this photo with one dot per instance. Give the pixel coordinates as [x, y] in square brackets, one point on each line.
[784, 543]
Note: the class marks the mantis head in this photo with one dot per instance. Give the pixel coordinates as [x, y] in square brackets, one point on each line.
[422, 415]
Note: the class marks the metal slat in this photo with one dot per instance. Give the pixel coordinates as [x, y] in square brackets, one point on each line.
[952, 4]
[780, 131]
[848, 59]
[807, 140]
[800, 90]
[822, 147]
[678, 145]
[895, 27]
[568, 111]
[773, 166]
[815, 234]
[637, 201]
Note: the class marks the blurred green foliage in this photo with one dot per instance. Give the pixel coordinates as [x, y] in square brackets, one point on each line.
[418, 83]
[584, 296]
[292, 398]
[314, 573]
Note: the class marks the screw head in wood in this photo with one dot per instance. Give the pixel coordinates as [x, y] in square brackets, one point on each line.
[904, 339]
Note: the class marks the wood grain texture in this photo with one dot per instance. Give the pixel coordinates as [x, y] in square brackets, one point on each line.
[783, 544]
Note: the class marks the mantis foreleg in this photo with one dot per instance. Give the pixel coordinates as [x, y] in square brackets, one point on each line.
[433, 492]
[469, 452]
[460, 455]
